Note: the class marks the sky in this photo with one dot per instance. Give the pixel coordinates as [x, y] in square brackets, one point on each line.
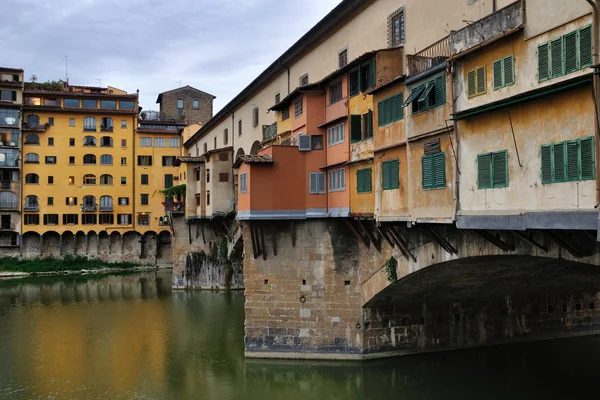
[218, 46]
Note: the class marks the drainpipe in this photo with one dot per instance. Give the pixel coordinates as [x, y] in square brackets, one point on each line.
[596, 33]
[494, 6]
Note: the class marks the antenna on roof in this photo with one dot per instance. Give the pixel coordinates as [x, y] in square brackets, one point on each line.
[66, 69]
[179, 82]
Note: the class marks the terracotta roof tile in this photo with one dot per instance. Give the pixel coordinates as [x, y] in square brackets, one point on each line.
[192, 160]
[254, 159]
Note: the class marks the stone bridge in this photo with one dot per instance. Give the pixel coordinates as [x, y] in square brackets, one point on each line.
[341, 288]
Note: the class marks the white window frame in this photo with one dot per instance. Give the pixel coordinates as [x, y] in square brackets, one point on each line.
[337, 180]
[244, 183]
[320, 177]
[145, 142]
[335, 135]
[160, 142]
[174, 142]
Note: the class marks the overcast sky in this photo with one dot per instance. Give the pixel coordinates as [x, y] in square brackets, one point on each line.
[218, 46]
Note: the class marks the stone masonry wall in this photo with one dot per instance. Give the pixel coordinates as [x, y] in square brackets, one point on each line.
[187, 94]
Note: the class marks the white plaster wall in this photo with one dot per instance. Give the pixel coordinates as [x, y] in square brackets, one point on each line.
[544, 15]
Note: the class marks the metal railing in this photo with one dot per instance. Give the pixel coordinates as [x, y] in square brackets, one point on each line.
[88, 208]
[429, 57]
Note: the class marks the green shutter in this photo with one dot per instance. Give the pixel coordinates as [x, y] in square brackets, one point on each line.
[509, 70]
[440, 90]
[439, 170]
[546, 163]
[500, 169]
[585, 47]
[484, 171]
[372, 73]
[359, 181]
[573, 160]
[381, 113]
[543, 67]
[559, 162]
[368, 179]
[481, 85]
[571, 52]
[556, 57]
[355, 128]
[394, 174]
[588, 166]
[385, 176]
[427, 172]
[498, 72]
[471, 91]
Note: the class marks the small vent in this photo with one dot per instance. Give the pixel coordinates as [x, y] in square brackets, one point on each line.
[304, 142]
[432, 146]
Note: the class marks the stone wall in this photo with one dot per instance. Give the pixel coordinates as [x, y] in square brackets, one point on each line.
[168, 105]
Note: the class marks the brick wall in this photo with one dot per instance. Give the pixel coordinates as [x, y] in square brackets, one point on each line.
[169, 105]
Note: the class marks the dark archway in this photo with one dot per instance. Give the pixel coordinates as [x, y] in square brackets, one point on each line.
[256, 146]
[239, 153]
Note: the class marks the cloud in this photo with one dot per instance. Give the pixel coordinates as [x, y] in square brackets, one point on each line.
[218, 46]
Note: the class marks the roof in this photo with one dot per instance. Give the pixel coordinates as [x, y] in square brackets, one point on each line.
[192, 160]
[79, 94]
[339, 14]
[387, 84]
[186, 87]
[215, 151]
[253, 159]
[311, 88]
[7, 69]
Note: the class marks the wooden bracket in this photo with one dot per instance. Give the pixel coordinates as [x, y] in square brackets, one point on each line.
[402, 244]
[364, 240]
[566, 244]
[496, 240]
[442, 241]
[293, 233]
[376, 241]
[262, 242]
[384, 234]
[528, 238]
[273, 233]
[190, 232]
[203, 236]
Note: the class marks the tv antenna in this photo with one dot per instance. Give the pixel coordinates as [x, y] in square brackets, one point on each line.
[66, 68]
[99, 80]
[179, 82]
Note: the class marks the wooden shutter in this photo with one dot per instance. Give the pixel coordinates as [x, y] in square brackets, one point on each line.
[385, 176]
[431, 146]
[556, 57]
[372, 72]
[321, 182]
[439, 170]
[571, 60]
[481, 84]
[427, 172]
[368, 121]
[585, 47]
[368, 175]
[588, 166]
[394, 174]
[543, 65]
[498, 73]
[500, 169]
[572, 160]
[471, 89]
[45, 219]
[355, 128]
[509, 70]
[546, 157]
[360, 181]
[558, 153]
[313, 183]
[440, 90]
[484, 175]
[381, 113]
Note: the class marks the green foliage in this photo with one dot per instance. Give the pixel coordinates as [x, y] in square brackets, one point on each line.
[390, 269]
[57, 86]
[69, 263]
[223, 248]
[178, 191]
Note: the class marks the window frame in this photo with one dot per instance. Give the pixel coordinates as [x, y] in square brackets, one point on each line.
[389, 102]
[331, 132]
[360, 180]
[341, 180]
[475, 72]
[501, 64]
[389, 164]
[566, 164]
[491, 170]
[320, 178]
[244, 183]
[195, 104]
[433, 185]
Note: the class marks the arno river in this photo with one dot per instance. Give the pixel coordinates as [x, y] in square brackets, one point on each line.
[130, 337]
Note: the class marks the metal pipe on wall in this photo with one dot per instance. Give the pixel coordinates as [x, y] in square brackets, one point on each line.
[596, 83]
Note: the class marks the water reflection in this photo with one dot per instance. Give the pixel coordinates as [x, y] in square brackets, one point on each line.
[127, 337]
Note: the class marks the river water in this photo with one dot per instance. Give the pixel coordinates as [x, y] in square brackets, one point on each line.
[130, 337]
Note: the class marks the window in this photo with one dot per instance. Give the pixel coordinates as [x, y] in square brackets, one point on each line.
[367, 75]
[145, 161]
[225, 136]
[106, 203]
[123, 160]
[168, 181]
[32, 219]
[433, 171]
[10, 117]
[50, 159]
[355, 128]
[89, 179]
[123, 201]
[390, 110]
[503, 72]
[31, 203]
[316, 142]
[396, 28]
[428, 95]
[244, 183]
[368, 124]
[298, 107]
[240, 127]
[492, 170]
[303, 80]
[337, 180]
[197, 197]
[8, 95]
[144, 179]
[89, 219]
[32, 179]
[180, 104]
[143, 219]
[106, 124]
[70, 219]
[107, 219]
[89, 159]
[32, 158]
[89, 141]
[364, 180]
[566, 54]
[144, 199]
[8, 200]
[208, 198]
[175, 142]
[277, 98]
[571, 160]
[89, 124]
[71, 103]
[124, 219]
[255, 117]
[390, 174]
[215, 143]
[126, 105]
[71, 141]
[205, 148]
[197, 175]
[89, 203]
[354, 78]
[88, 103]
[335, 92]
[196, 104]
[106, 179]
[343, 58]
[71, 122]
[50, 180]
[71, 160]
[50, 201]
[145, 142]
[208, 176]
[123, 142]
[123, 123]
[32, 139]
[317, 183]
[169, 161]
[108, 104]
[285, 113]
[335, 134]
[71, 180]
[223, 177]
[50, 219]
[123, 180]
[50, 141]
[160, 142]
[33, 120]
[476, 82]
[51, 121]
[106, 141]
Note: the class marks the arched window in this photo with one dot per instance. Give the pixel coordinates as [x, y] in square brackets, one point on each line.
[106, 159]
[32, 158]
[106, 203]
[106, 141]
[33, 120]
[32, 178]
[89, 159]
[106, 124]
[106, 180]
[32, 139]
[89, 124]
[89, 141]
[31, 203]
[89, 203]
[89, 179]
[8, 200]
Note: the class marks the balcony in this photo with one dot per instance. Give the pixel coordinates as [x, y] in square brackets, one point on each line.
[34, 127]
[336, 110]
[174, 207]
[269, 131]
[106, 208]
[88, 208]
[106, 129]
[30, 207]
[429, 57]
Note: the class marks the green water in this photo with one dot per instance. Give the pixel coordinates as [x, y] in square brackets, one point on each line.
[129, 337]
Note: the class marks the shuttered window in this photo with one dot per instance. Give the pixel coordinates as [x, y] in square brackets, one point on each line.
[492, 170]
[476, 82]
[317, 182]
[337, 180]
[571, 160]
[390, 175]
[433, 170]
[368, 124]
[390, 110]
[244, 183]
[503, 72]
[566, 54]
[429, 95]
[355, 128]
[364, 180]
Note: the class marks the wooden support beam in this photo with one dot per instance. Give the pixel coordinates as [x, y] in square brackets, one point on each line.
[528, 238]
[384, 234]
[190, 231]
[197, 229]
[496, 240]
[273, 233]
[262, 242]
[225, 227]
[203, 236]
[293, 233]
[565, 244]
[364, 240]
[402, 244]
[253, 240]
[441, 240]
[367, 228]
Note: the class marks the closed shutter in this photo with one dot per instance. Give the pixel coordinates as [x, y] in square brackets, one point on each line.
[321, 182]
[394, 174]
[572, 160]
[558, 150]
[440, 90]
[588, 167]
[386, 176]
[571, 52]
[500, 169]
[427, 172]
[585, 47]
[556, 56]
[498, 73]
[543, 66]
[546, 163]
[439, 170]
[372, 73]
[381, 113]
[355, 128]
[509, 70]
[45, 219]
[359, 181]
[481, 84]
[368, 180]
[314, 188]
[168, 181]
[484, 175]
[471, 90]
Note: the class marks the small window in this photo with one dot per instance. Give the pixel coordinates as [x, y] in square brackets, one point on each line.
[124, 219]
[244, 183]
[50, 219]
[205, 147]
[123, 123]
[335, 92]
[174, 142]
[145, 161]
[71, 180]
[143, 219]
[503, 72]
[364, 180]
[51, 121]
[71, 141]
[168, 181]
[337, 180]
[123, 201]
[71, 201]
[89, 179]
[355, 128]
[180, 104]
[492, 170]
[145, 142]
[335, 135]
[354, 81]
[50, 201]
[70, 219]
[71, 122]
[196, 104]
[396, 28]
[367, 75]
[255, 117]
[433, 170]
[239, 128]
[50, 159]
[107, 219]
[225, 137]
[50, 141]
[32, 219]
[298, 107]
[89, 219]
[144, 199]
[303, 80]
[390, 174]
[197, 197]
[476, 84]
[285, 113]
[343, 58]
[317, 183]
[123, 180]
[572, 160]
[390, 110]
[208, 176]
[50, 180]
[123, 142]
[144, 179]
[215, 143]
[368, 124]
[123, 160]
[71, 160]
[208, 197]
[160, 142]
[169, 161]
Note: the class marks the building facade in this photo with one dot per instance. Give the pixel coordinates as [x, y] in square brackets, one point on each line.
[186, 104]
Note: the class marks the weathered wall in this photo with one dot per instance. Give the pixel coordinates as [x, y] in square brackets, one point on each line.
[168, 106]
[544, 15]
[391, 204]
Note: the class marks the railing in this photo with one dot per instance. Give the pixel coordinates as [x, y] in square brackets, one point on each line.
[34, 127]
[5, 184]
[429, 57]
[174, 207]
[31, 207]
[106, 129]
[106, 208]
[88, 208]
[269, 131]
